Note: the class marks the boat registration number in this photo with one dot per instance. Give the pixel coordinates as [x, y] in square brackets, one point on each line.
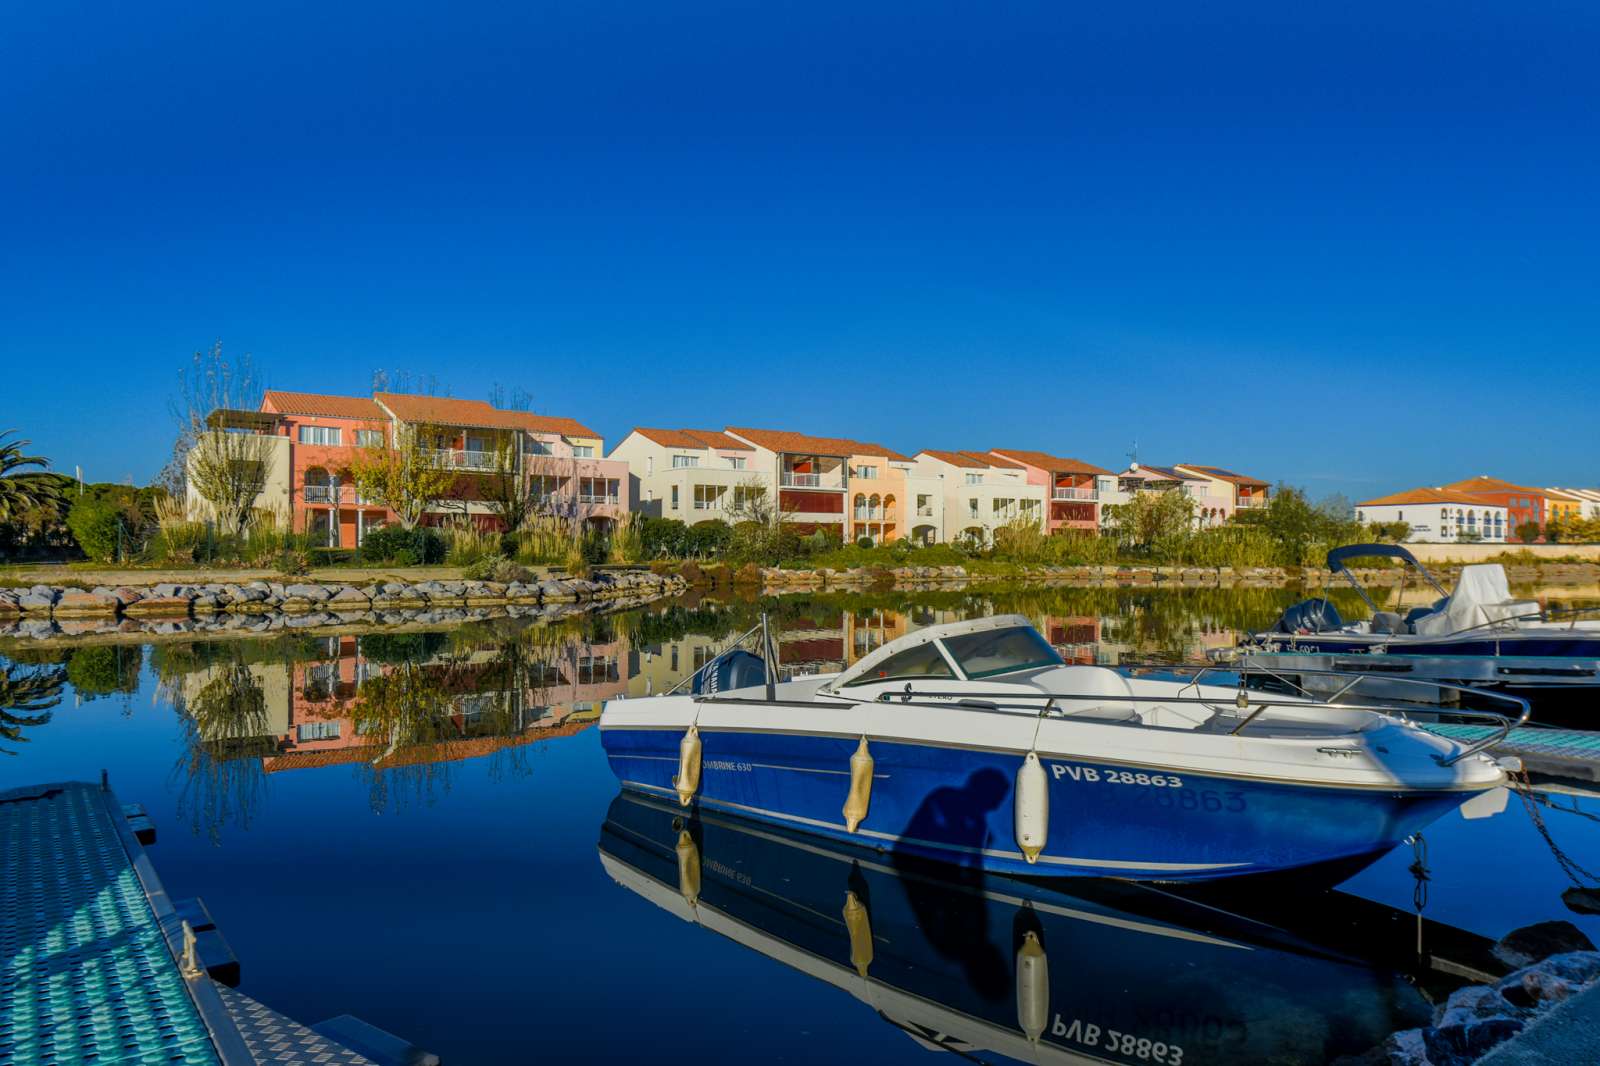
[1058, 770]
[1128, 1045]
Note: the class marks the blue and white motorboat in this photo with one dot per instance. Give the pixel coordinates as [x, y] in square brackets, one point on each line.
[973, 743]
[1478, 634]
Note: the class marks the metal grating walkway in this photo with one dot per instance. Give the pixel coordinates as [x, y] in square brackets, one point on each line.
[1572, 752]
[86, 972]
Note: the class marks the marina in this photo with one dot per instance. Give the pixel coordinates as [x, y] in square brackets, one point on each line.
[321, 793]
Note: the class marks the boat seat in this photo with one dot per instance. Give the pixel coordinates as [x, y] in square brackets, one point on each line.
[1388, 622]
[1090, 681]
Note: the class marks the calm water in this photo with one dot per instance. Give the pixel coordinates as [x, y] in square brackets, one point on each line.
[411, 828]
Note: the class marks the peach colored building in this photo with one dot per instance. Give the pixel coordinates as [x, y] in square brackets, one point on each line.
[1073, 487]
[815, 482]
[981, 492]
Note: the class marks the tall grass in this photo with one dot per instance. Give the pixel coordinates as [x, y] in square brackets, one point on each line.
[466, 543]
[180, 530]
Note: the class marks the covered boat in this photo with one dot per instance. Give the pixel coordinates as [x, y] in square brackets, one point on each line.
[973, 743]
[1477, 634]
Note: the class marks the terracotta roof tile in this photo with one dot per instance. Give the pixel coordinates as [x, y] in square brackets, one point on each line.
[1422, 496]
[318, 405]
[445, 411]
[972, 460]
[692, 438]
[782, 440]
[1222, 474]
[1485, 483]
[1055, 464]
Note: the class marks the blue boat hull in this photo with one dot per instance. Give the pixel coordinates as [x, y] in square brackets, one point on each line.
[956, 805]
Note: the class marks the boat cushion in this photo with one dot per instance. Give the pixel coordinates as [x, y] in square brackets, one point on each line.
[1090, 681]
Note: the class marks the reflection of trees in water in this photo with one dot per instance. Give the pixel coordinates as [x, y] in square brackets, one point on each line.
[26, 695]
[219, 774]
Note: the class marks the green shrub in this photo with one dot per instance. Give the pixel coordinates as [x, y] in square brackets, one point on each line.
[96, 525]
[708, 540]
[662, 538]
[504, 571]
[420, 545]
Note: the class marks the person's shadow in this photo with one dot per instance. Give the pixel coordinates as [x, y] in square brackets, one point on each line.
[948, 900]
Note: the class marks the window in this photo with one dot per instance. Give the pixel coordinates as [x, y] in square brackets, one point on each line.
[924, 504]
[535, 446]
[919, 662]
[972, 507]
[369, 438]
[707, 497]
[869, 473]
[674, 497]
[583, 451]
[736, 462]
[318, 731]
[682, 462]
[320, 435]
[1001, 651]
[974, 479]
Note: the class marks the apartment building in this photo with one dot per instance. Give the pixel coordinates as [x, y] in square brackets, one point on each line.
[1439, 515]
[1240, 492]
[1522, 504]
[1588, 500]
[693, 475]
[316, 438]
[1213, 501]
[982, 492]
[817, 477]
[1073, 487]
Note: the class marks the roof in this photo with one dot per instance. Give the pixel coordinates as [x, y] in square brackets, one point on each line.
[782, 440]
[1566, 495]
[1592, 495]
[971, 460]
[1056, 464]
[1485, 483]
[1222, 474]
[320, 405]
[1423, 496]
[445, 411]
[692, 438]
[1167, 472]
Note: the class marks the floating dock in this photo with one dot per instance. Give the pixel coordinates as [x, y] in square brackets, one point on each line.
[1569, 753]
[101, 965]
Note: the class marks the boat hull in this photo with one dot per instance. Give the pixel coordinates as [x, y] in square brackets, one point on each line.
[957, 805]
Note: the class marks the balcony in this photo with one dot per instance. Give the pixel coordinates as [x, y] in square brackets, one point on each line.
[791, 480]
[1061, 492]
[592, 497]
[319, 494]
[460, 459]
[1248, 502]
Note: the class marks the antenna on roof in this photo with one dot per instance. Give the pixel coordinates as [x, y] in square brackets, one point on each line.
[1133, 456]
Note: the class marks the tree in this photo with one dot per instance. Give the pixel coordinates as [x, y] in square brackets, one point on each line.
[226, 467]
[26, 696]
[402, 475]
[29, 498]
[1151, 518]
[1527, 532]
[507, 491]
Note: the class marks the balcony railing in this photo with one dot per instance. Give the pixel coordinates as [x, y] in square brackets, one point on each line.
[791, 480]
[460, 459]
[592, 497]
[924, 512]
[1246, 502]
[1061, 492]
[319, 494]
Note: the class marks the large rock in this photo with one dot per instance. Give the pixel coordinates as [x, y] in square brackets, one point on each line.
[40, 599]
[158, 606]
[75, 603]
[308, 591]
[348, 598]
[1532, 943]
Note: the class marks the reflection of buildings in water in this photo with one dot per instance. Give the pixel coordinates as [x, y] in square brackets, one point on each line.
[656, 668]
[313, 708]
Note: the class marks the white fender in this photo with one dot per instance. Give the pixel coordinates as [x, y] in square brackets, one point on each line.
[688, 868]
[1032, 807]
[1033, 987]
[860, 798]
[688, 780]
[859, 924]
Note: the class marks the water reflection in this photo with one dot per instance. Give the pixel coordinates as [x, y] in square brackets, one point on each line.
[973, 964]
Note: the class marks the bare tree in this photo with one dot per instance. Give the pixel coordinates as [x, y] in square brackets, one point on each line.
[225, 466]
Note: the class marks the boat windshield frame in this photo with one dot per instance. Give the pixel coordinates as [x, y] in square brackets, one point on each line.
[1052, 657]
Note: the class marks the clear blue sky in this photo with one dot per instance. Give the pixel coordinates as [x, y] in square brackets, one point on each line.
[1352, 246]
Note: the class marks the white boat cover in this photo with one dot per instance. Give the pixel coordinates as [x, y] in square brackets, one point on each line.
[1482, 595]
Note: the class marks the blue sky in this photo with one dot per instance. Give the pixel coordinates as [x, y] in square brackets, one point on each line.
[1351, 246]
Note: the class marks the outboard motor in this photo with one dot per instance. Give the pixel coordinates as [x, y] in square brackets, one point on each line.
[1310, 616]
[730, 670]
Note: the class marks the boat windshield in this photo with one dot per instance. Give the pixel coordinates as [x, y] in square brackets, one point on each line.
[1001, 651]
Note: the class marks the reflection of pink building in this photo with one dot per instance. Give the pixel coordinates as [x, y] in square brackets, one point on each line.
[1071, 485]
[317, 437]
[563, 696]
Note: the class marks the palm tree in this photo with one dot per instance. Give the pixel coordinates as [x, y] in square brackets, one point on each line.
[24, 491]
[26, 696]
